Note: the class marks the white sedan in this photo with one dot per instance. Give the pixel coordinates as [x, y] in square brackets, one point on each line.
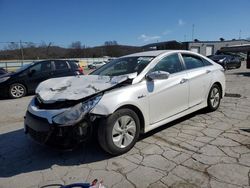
[131, 95]
[96, 65]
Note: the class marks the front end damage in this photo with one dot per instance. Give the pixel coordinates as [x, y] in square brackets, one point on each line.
[64, 128]
[60, 113]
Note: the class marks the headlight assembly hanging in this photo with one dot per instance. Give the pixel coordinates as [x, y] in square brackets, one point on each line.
[77, 112]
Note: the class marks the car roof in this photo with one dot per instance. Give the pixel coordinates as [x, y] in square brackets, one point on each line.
[148, 53]
[156, 53]
[69, 60]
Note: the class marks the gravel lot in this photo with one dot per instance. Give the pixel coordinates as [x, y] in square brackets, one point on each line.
[200, 150]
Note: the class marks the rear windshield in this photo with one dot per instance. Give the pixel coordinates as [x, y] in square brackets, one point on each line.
[217, 57]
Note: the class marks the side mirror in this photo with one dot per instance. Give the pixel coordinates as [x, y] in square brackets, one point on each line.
[157, 75]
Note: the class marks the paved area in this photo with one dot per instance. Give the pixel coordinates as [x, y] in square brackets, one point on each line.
[200, 150]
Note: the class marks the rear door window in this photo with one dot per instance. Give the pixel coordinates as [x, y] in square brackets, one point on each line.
[192, 61]
[61, 65]
[46, 66]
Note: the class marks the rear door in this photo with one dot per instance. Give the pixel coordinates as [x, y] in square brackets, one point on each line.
[62, 68]
[199, 76]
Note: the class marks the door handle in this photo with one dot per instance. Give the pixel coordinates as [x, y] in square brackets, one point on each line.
[183, 80]
[208, 71]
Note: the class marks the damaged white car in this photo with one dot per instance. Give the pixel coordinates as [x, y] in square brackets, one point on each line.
[128, 96]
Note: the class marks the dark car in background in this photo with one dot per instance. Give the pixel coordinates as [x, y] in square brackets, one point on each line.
[27, 78]
[3, 71]
[227, 61]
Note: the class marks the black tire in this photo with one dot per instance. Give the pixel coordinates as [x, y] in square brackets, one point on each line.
[105, 129]
[237, 67]
[17, 90]
[213, 102]
[225, 65]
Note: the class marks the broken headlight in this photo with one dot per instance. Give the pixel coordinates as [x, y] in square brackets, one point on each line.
[77, 112]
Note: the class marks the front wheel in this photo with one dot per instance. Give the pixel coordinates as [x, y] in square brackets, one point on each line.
[119, 132]
[214, 97]
[17, 91]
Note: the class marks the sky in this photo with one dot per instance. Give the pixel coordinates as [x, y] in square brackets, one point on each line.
[129, 22]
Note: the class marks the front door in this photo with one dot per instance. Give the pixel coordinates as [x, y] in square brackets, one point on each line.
[169, 96]
[38, 73]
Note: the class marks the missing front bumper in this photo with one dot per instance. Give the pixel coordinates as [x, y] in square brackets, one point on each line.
[62, 137]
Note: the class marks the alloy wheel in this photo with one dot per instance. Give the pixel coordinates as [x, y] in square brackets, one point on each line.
[215, 97]
[124, 131]
[17, 91]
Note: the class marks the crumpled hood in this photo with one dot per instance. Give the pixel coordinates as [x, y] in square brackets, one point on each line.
[75, 87]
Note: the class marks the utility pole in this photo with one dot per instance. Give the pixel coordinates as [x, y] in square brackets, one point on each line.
[192, 32]
[21, 48]
[47, 50]
[185, 38]
[240, 34]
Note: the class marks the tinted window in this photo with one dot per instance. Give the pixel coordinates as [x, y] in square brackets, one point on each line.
[45, 66]
[192, 62]
[169, 64]
[36, 68]
[61, 65]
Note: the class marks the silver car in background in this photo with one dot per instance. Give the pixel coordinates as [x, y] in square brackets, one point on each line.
[128, 96]
[96, 65]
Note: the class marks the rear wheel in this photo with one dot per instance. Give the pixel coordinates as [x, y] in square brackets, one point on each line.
[118, 133]
[214, 98]
[238, 66]
[17, 91]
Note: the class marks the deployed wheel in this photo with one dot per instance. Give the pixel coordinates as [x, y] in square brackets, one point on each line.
[17, 91]
[119, 132]
[214, 97]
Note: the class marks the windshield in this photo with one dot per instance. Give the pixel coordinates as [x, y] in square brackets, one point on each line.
[24, 67]
[125, 65]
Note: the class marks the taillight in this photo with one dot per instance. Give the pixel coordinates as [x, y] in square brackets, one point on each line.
[80, 69]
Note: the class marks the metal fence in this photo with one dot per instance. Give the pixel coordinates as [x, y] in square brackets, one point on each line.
[12, 65]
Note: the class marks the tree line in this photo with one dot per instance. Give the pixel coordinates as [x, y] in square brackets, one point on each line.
[75, 50]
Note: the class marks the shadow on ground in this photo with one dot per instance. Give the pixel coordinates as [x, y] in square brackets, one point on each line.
[6, 97]
[19, 154]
